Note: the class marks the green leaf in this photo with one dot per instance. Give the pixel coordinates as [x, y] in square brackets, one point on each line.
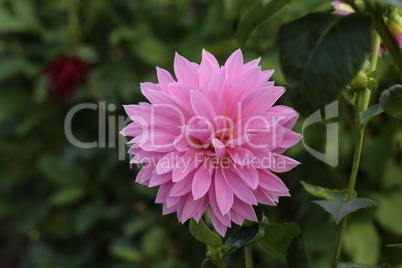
[260, 12]
[87, 215]
[296, 257]
[150, 248]
[391, 101]
[354, 265]
[370, 113]
[395, 245]
[203, 234]
[244, 236]
[123, 250]
[325, 193]
[395, 3]
[249, 234]
[362, 242]
[67, 196]
[389, 213]
[278, 238]
[320, 53]
[339, 209]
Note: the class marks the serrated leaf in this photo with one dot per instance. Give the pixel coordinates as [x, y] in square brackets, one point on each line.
[339, 209]
[260, 12]
[278, 238]
[354, 265]
[370, 113]
[203, 234]
[320, 53]
[391, 101]
[395, 245]
[325, 193]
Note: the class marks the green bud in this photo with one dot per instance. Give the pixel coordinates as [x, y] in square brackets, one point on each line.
[393, 20]
[360, 82]
[372, 85]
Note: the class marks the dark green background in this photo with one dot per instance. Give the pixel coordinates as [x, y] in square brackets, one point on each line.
[61, 206]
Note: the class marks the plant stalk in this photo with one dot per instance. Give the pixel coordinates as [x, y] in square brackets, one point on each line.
[374, 60]
[352, 180]
[73, 23]
[249, 257]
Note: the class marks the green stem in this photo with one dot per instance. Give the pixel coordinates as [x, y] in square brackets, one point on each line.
[249, 257]
[73, 22]
[352, 180]
[374, 60]
[216, 257]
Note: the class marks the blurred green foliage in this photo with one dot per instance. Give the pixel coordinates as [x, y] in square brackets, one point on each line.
[62, 206]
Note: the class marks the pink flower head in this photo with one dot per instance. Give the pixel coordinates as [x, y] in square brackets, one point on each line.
[212, 138]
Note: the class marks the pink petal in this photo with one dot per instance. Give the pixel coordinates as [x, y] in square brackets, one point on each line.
[167, 163]
[145, 174]
[163, 192]
[276, 93]
[202, 180]
[167, 210]
[234, 66]
[290, 139]
[218, 225]
[240, 156]
[236, 218]
[288, 116]
[271, 182]
[159, 179]
[225, 194]
[239, 188]
[182, 187]
[181, 92]
[164, 78]
[219, 147]
[202, 106]
[244, 210]
[187, 163]
[248, 174]
[191, 207]
[210, 57]
[185, 71]
[263, 197]
[283, 163]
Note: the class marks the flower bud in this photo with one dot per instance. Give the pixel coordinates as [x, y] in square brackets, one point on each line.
[342, 8]
[394, 23]
[360, 82]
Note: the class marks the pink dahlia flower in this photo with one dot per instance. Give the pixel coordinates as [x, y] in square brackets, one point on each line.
[213, 138]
